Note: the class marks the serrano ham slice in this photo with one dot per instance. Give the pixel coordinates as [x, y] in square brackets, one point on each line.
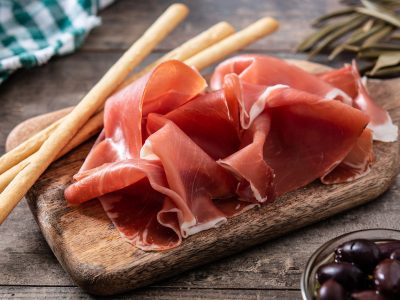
[348, 79]
[174, 159]
[356, 164]
[210, 120]
[268, 71]
[310, 134]
[168, 86]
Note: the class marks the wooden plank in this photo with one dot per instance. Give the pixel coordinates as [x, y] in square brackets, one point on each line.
[76, 234]
[124, 21]
[27, 292]
[22, 241]
[27, 260]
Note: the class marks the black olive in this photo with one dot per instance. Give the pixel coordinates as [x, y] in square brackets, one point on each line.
[364, 253]
[331, 290]
[395, 254]
[387, 277]
[367, 295]
[387, 248]
[347, 274]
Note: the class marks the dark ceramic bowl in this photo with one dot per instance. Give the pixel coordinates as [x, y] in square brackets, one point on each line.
[325, 254]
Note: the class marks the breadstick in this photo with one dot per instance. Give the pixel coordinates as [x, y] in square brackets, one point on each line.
[190, 48]
[96, 97]
[229, 45]
[235, 42]
[193, 46]
[93, 126]
[10, 174]
[27, 148]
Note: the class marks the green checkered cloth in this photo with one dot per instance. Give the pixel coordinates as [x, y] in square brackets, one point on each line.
[32, 31]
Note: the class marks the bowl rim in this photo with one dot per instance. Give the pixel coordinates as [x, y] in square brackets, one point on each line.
[308, 267]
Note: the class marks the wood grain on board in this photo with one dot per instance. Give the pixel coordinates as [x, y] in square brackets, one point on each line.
[100, 261]
[271, 270]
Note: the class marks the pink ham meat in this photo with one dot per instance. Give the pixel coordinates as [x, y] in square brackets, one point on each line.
[344, 84]
[348, 79]
[269, 71]
[301, 129]
[356, 164]
[174, 160]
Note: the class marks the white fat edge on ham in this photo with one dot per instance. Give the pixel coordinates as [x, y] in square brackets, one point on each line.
[246, 208]
[258, 107]
[147, 153]
[335, 92]
[256, 192]
[385, 132]
[188, 229]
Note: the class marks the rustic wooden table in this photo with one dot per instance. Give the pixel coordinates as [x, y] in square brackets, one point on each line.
[272, 270]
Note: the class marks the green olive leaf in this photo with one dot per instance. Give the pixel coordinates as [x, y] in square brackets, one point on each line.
[363, 35]
[337, 13]
[381, 13]
[368, 28]
[375, 53]
[385, 72]
[382, 46]
[385, 60]
[350, 25]
[311, 40]
[378, 35]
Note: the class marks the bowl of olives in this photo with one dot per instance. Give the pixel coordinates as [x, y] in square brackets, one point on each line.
[360, 265]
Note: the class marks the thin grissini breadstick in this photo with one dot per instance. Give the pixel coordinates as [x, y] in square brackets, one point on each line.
[202, 59]
[10, 174]
[93, 101]
[190, 48]
[93, 126]
[19, 157]
[27, 148]
[233, 43]
[193, 46]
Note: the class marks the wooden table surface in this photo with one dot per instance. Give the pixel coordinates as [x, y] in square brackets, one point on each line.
[272, 270]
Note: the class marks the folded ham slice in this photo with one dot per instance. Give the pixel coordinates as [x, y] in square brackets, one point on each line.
[269, 71]
[343, 84]
[299, 130]
[356, 164]
[174, 160]
[348, 79]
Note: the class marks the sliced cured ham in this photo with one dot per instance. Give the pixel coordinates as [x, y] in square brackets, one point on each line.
[255, 176]
[269, 71]
[210, 120]
[342, 78]
[195, 177]
[348, 79]
[174, 160]
[356, 164]
[165, 88]
[310, 134]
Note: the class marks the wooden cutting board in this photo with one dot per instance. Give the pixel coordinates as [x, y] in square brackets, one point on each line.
[91, 250]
